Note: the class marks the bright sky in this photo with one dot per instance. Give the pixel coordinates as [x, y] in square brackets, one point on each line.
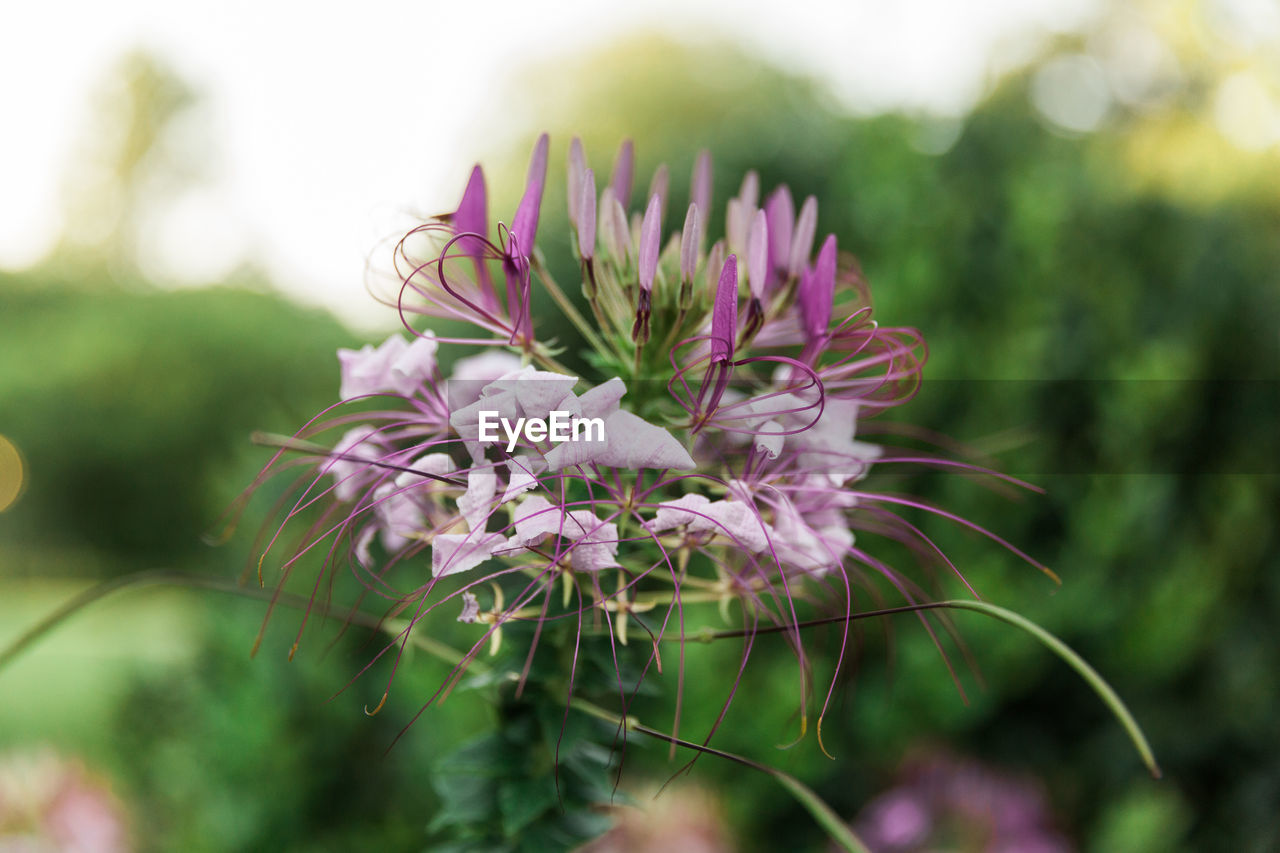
[329, 121]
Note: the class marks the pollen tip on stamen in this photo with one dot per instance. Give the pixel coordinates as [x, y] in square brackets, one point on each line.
[821, 745]
[293, 650]
[804, 730]
[381, 702]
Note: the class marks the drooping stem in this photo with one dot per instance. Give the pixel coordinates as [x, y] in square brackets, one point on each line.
[812, 803]
[821, 812]
[1082, 667]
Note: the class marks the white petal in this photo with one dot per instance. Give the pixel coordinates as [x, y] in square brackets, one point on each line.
[602, 400]
[636, 443]
[452, 553]
[415, 365]
[523, 476]
[477, 504]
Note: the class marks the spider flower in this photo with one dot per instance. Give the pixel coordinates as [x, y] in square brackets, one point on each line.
[706, 446]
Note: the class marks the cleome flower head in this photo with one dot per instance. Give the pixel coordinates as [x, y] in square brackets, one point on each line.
[704, 448]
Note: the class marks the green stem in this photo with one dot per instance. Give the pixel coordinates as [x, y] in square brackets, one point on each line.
[821, 812]
[566, 305]
[1100, 686]
[812, 803]
[805, 796]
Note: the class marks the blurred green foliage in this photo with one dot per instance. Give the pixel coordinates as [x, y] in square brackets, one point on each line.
[1035, 264]
[134, 408]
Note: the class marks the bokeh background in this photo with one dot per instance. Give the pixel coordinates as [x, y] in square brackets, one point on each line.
[1079, 206]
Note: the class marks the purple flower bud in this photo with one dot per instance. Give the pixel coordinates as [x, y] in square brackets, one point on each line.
[614, 231]
[700, 188]
[472, 217]
[802, 240]
[689, 244]
[817, 290]
[624, 167]
[782, 220]
[586, 221]
[715, 260]
[737, 224]
[758, 254]
[472, 214]
[650, 235]
[524, 227]
[750, 190]
[577, 167]
[724, 314]
[660, 186]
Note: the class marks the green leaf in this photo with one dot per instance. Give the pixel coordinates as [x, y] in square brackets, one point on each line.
[523, 800]
[463, 800]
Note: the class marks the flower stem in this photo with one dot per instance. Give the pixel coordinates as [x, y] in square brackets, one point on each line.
[566, 305]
